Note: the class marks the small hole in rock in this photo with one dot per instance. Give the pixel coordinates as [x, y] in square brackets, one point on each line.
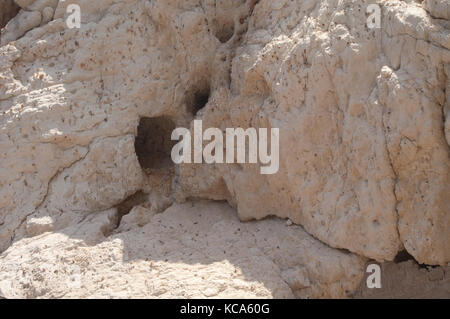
[224, 30]
[153, 144]
[8, 10]
[403, 256]
[128, 204]
[198, 100]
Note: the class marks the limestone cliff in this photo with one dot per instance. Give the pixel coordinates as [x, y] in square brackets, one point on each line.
[86, 177]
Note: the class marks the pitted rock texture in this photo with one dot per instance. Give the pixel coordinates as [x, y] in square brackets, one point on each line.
[364, 118]
[190, 251]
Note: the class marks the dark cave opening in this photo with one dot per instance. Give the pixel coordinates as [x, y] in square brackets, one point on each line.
[404, 256]
[125, 207]
[153, 143]
[198, 100]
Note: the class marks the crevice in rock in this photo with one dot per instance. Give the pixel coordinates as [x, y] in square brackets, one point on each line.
[128, 204]
[197, 98]
[8, 10]
[244, 22]
[153, 143]
[403, 256]
[45, 196]
[396, 175]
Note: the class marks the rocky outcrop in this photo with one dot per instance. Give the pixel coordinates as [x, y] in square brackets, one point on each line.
[438, 8]
[33, 13]
[365, 163]
[189, 251]
[364, 120]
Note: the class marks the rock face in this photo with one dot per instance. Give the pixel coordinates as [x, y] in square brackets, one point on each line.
[189, 251]
[33, 14]
[364, 118]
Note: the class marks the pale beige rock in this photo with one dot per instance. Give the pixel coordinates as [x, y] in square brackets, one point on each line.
[19, 25]
[34, 13]
[364, 119]
[138, 217]
[193, 250]
[428, 283]
[47, 15]
[96, 172]
[438, 8]
[341, 174]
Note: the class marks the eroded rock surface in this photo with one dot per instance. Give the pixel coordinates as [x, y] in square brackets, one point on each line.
[193, 250]
[364, 118]
[8, 9]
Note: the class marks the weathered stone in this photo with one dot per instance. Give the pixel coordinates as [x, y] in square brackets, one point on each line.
[364, 118]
